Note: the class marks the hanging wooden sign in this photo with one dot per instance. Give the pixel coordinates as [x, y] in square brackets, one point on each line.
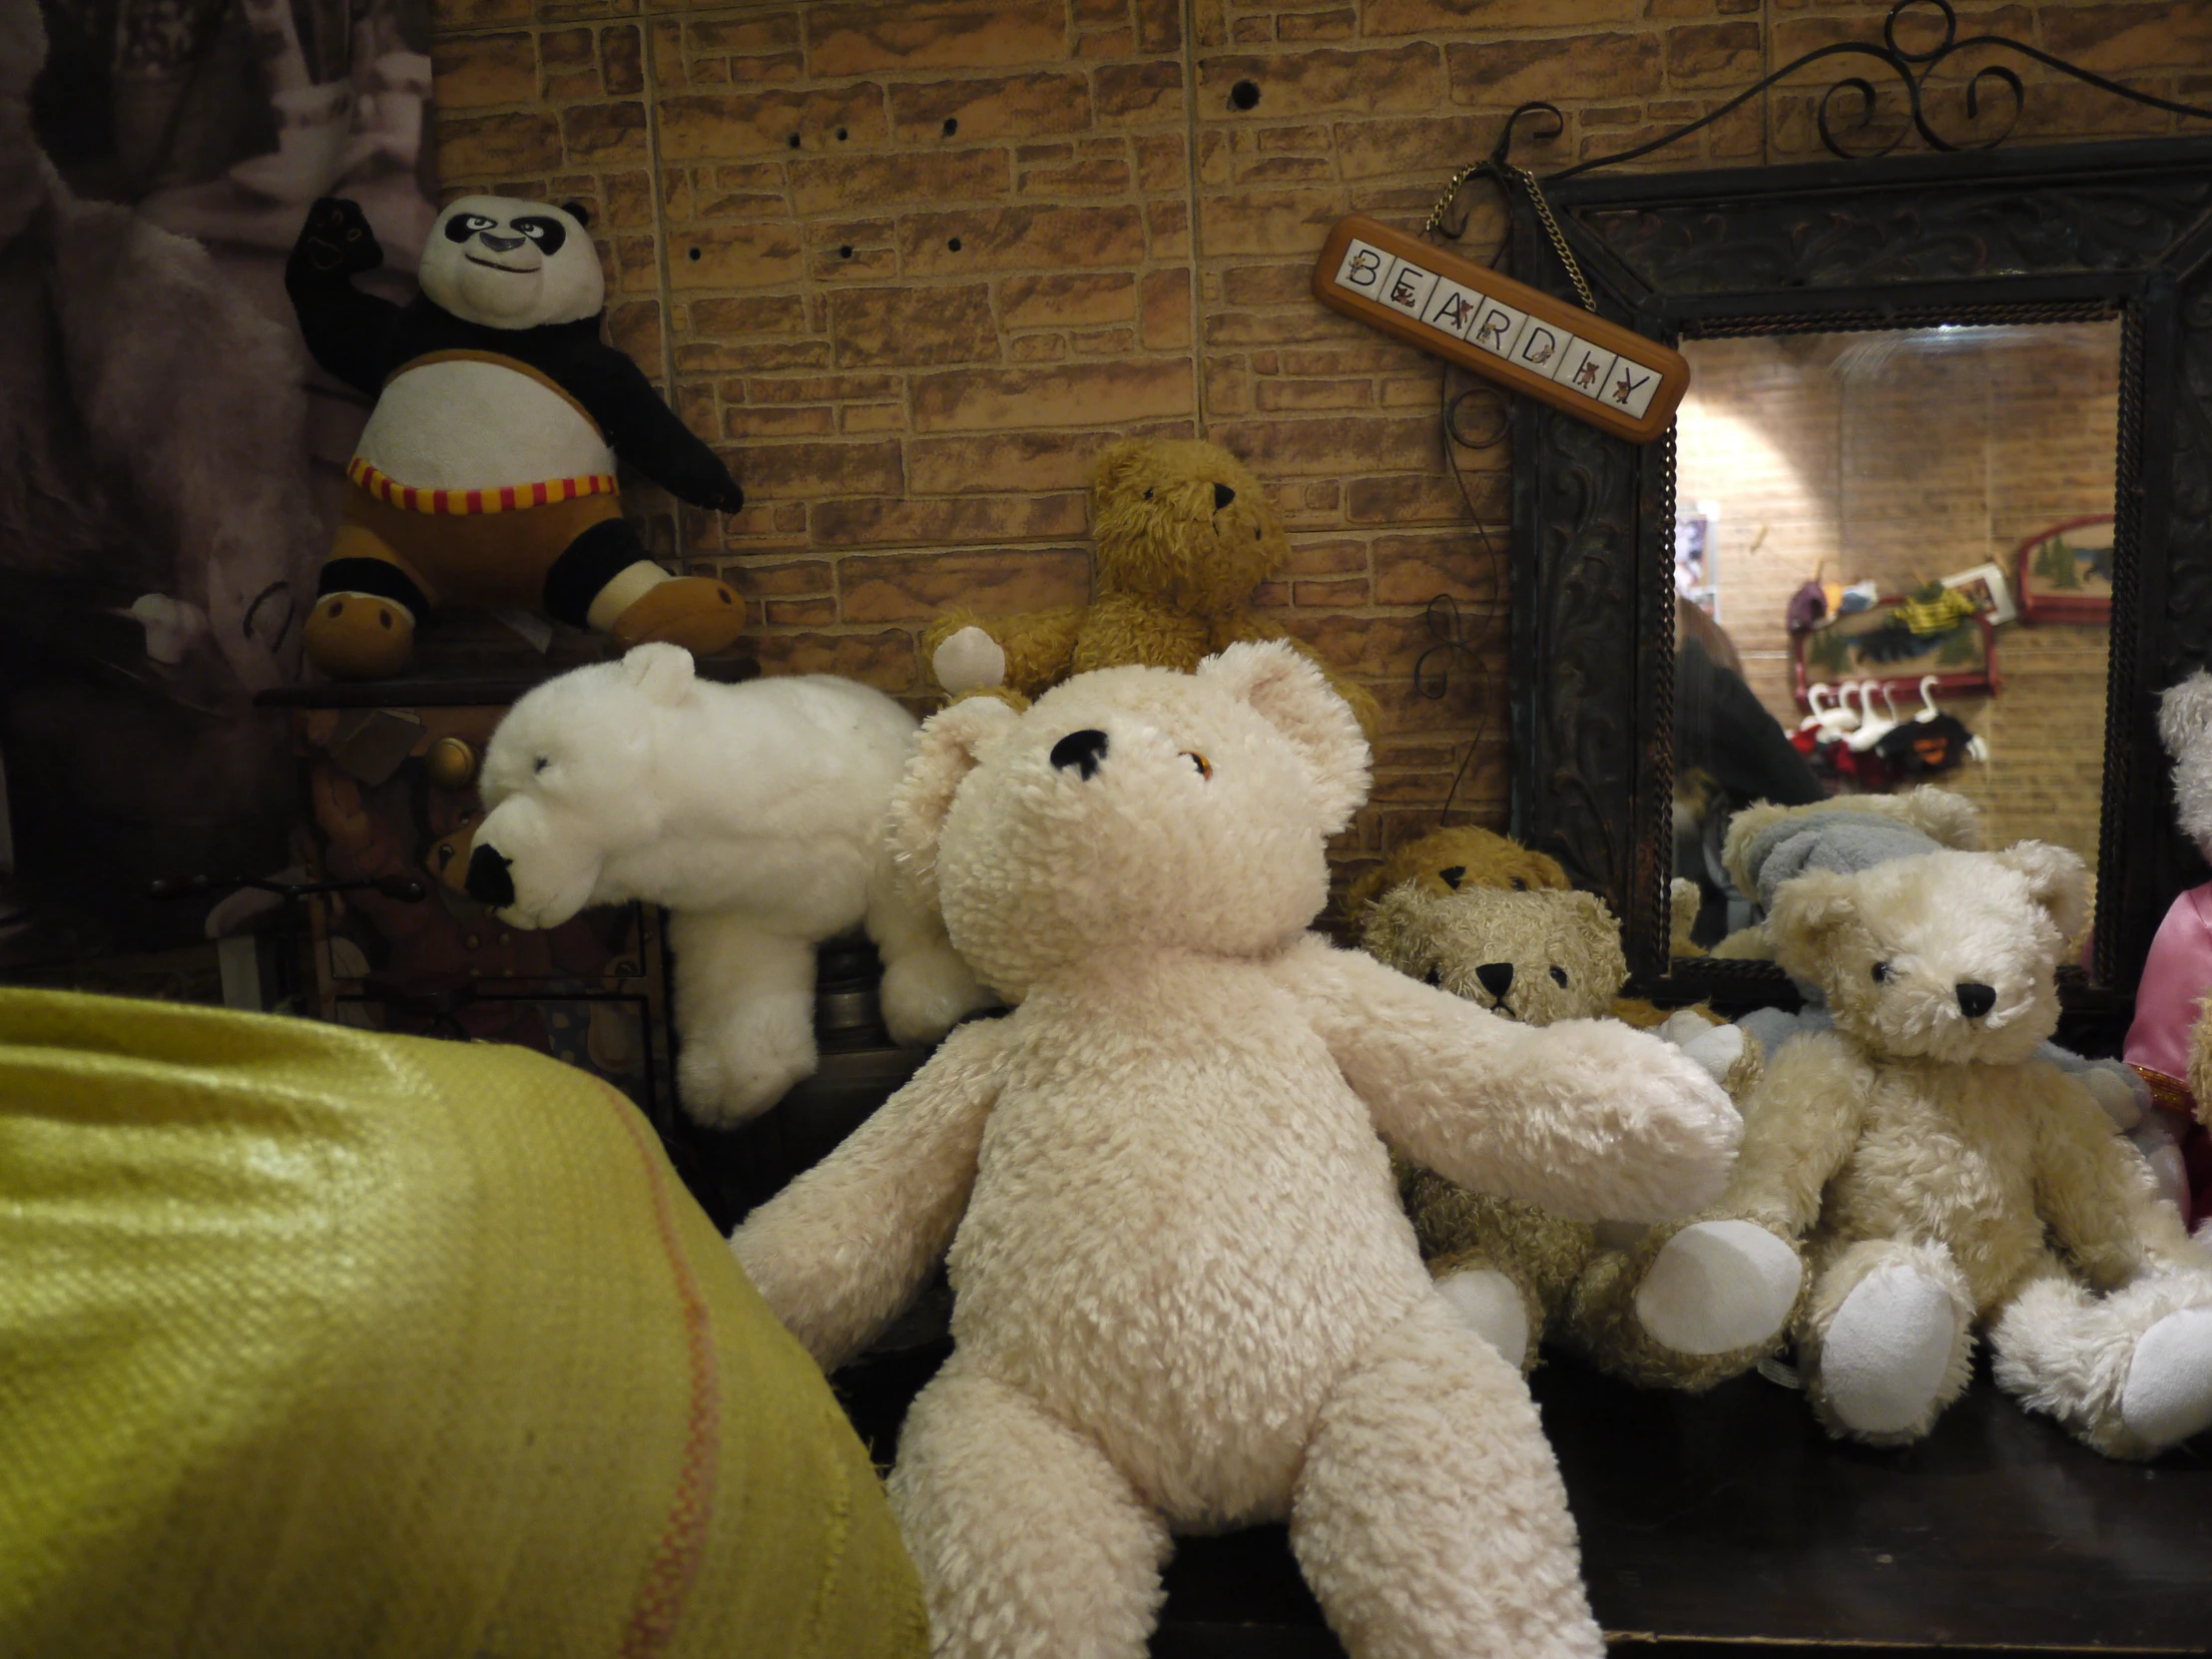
[1467, 314]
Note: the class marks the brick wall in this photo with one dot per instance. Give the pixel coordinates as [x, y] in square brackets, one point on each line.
[914, 262]
[1898, 458]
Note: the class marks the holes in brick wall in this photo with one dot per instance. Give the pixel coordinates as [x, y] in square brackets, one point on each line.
[954, 243]
[792, 141]
[951, 125]
[693, 254]
[1245, 95]
[841, 135]
[844, 250]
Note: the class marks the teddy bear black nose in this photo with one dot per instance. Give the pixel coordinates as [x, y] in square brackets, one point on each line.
[1079, 750]
[1976, 1000]
[1495, 977]
[489, 878]
[1222, 495]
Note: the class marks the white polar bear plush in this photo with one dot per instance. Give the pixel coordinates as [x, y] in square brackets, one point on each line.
[1185, 1295]
[754, 813]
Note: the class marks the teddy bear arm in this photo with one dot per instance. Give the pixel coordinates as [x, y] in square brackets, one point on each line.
[1587, 1118]
[1802, 1122]
[2094, 1192]
[1039, 645]
[842, 1251]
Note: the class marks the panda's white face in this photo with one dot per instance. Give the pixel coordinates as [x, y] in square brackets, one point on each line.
[511, 264]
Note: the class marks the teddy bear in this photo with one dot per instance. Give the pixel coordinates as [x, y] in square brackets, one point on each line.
[2169, 1042]
[486, 472]
[755, 814]
[1444, 860]
[1942, 1177]
[1185, 1295]
[1183, 538]
[1513, 1270]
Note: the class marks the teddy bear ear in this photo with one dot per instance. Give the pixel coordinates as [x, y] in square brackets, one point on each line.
[2057, 879]
[1807, 913]
[1366, 889]
[945, 752]
[1291, 693]
[662, 671]
[2185, 713]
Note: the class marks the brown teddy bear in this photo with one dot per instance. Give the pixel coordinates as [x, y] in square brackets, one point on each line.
[1184, 537]
[1513, 1270]
[1444, 860]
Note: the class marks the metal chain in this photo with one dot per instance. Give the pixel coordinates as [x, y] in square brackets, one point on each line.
[1527, 181]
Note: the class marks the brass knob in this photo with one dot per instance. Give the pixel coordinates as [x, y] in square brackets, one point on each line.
[451, 763]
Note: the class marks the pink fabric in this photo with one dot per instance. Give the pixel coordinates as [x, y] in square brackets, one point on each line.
[2176, 977]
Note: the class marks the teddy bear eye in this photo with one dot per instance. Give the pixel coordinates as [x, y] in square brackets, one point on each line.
[1148, 495]
[1205, 767]
[1882, 973]
[541, 763]
[1559, 976]
[1434, 976]
[1519, 885]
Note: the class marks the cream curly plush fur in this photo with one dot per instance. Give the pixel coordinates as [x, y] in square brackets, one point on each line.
[1186, 1297]
[1943, 1178]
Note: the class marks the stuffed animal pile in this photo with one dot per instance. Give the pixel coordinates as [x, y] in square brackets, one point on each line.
[1183, 539]
[1942, 1176]
[1186, 1297]
[754, 813]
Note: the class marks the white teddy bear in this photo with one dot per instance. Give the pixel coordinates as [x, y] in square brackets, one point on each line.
[1185, 1295]
[755, 814]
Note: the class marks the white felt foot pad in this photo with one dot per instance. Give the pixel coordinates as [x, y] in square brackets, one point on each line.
[1719, 1286]
[2168, 1396]
[970, 660]
[1886, 1350]
[1491, 1308]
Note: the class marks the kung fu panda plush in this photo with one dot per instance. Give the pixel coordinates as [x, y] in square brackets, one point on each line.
[486, 474]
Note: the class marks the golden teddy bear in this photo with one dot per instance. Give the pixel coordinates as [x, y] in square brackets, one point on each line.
[1513, 1271]
[1183, 539]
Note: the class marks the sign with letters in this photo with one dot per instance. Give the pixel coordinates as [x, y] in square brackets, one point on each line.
[1467, 314]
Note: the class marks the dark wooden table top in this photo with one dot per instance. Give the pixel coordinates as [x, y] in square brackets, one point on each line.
[1728, 1524]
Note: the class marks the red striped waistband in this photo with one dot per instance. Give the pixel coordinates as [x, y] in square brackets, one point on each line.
[507, 499]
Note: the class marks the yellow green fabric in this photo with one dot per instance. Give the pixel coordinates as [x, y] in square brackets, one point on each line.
[318, 1342]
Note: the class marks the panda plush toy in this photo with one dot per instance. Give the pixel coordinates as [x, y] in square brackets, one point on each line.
[486, 473]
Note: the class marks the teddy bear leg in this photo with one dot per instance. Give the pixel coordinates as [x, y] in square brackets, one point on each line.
[745, 1015]
[927, 985]
[1690, 1306]
[1029, 1543]
[1887, 1341]
[605, 581]
[367, 601]
[2128, 1372]
[1430, 1516]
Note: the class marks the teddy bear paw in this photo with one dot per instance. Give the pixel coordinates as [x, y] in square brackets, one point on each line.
[925, 993]
[1489, 1305]
[970, 661]
[1885, 1353]
[1718, 1286]
[2168, 1394]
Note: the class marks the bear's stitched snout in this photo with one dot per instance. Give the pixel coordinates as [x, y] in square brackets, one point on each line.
[1081, 749]
[1495, 977]
[490, 878]
[1975, 999]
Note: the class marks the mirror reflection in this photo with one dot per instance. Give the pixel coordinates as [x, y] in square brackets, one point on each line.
[1894, 566]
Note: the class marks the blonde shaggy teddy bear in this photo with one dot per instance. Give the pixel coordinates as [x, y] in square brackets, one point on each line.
[1942, 1177]
[1518, 1272]
[1185, 1295]
[1183, 537]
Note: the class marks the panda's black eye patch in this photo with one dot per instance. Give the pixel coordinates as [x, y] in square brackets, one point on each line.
[1559, 977]
[463, 225]
[548, 233]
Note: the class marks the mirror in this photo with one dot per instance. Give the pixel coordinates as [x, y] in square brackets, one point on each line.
[1893, 563]
[1905, 370]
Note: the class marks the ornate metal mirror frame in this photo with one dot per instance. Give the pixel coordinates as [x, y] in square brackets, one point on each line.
[2120, 230]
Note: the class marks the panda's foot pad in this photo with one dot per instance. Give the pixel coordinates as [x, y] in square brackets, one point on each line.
[358, 635]
[696, 612]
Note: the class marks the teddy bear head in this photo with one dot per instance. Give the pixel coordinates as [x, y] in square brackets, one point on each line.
[1539, 955]
[1446, 860]
[1132, 810]
[2185, 725]
[1181, 521]
[571, 794]
[1943, 955]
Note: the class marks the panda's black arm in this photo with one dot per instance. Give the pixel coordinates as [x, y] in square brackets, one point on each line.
[646, 433]
[353, 335]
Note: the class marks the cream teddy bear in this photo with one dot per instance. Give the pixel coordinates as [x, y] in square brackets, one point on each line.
[1518, 1272]
[1943, 1175]
[1185, 1295]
